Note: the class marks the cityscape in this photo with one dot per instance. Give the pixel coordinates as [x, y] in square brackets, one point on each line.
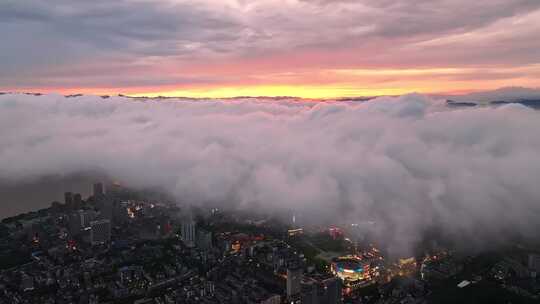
[269, 152]
[124, 246]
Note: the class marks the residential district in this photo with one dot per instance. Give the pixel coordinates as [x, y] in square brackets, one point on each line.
[125, 246]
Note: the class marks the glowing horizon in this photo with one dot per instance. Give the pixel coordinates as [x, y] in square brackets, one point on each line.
[309, 49]
[328, 84]
[314, 93]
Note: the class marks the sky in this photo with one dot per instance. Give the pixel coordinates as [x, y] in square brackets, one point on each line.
[304, 48]
[407, 163]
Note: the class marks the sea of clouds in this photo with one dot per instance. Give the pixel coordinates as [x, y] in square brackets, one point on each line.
[407, 163]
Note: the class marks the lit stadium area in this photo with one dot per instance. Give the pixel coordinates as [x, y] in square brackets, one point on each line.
[353, 271]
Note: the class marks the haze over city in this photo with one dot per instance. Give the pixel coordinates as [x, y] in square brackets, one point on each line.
[360, 151]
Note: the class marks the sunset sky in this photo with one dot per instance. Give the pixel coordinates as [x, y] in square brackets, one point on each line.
[304, 48]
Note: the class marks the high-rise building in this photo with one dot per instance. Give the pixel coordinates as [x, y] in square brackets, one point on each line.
[98, 190]
[68, 200]
[108, 210]
[100, 232]
[119, 211]
[332, 291]
[74, 224]
[56, 207]
[533, 264]
[86, 217]
[317, 290]
[204, 239]
[310, 293]
[80, 220]
[294, 279]
[188, 232]
[105, 206]
[77, 201]
[295, 219]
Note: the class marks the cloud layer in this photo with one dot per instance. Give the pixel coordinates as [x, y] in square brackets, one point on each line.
[407, 163]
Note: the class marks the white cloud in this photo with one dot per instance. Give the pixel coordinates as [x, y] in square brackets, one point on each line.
[407, 163]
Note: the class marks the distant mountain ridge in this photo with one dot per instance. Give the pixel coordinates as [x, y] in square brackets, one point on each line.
[507, 94]
[526, 96]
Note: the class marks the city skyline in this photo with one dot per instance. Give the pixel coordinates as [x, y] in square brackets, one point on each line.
[269, 151]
